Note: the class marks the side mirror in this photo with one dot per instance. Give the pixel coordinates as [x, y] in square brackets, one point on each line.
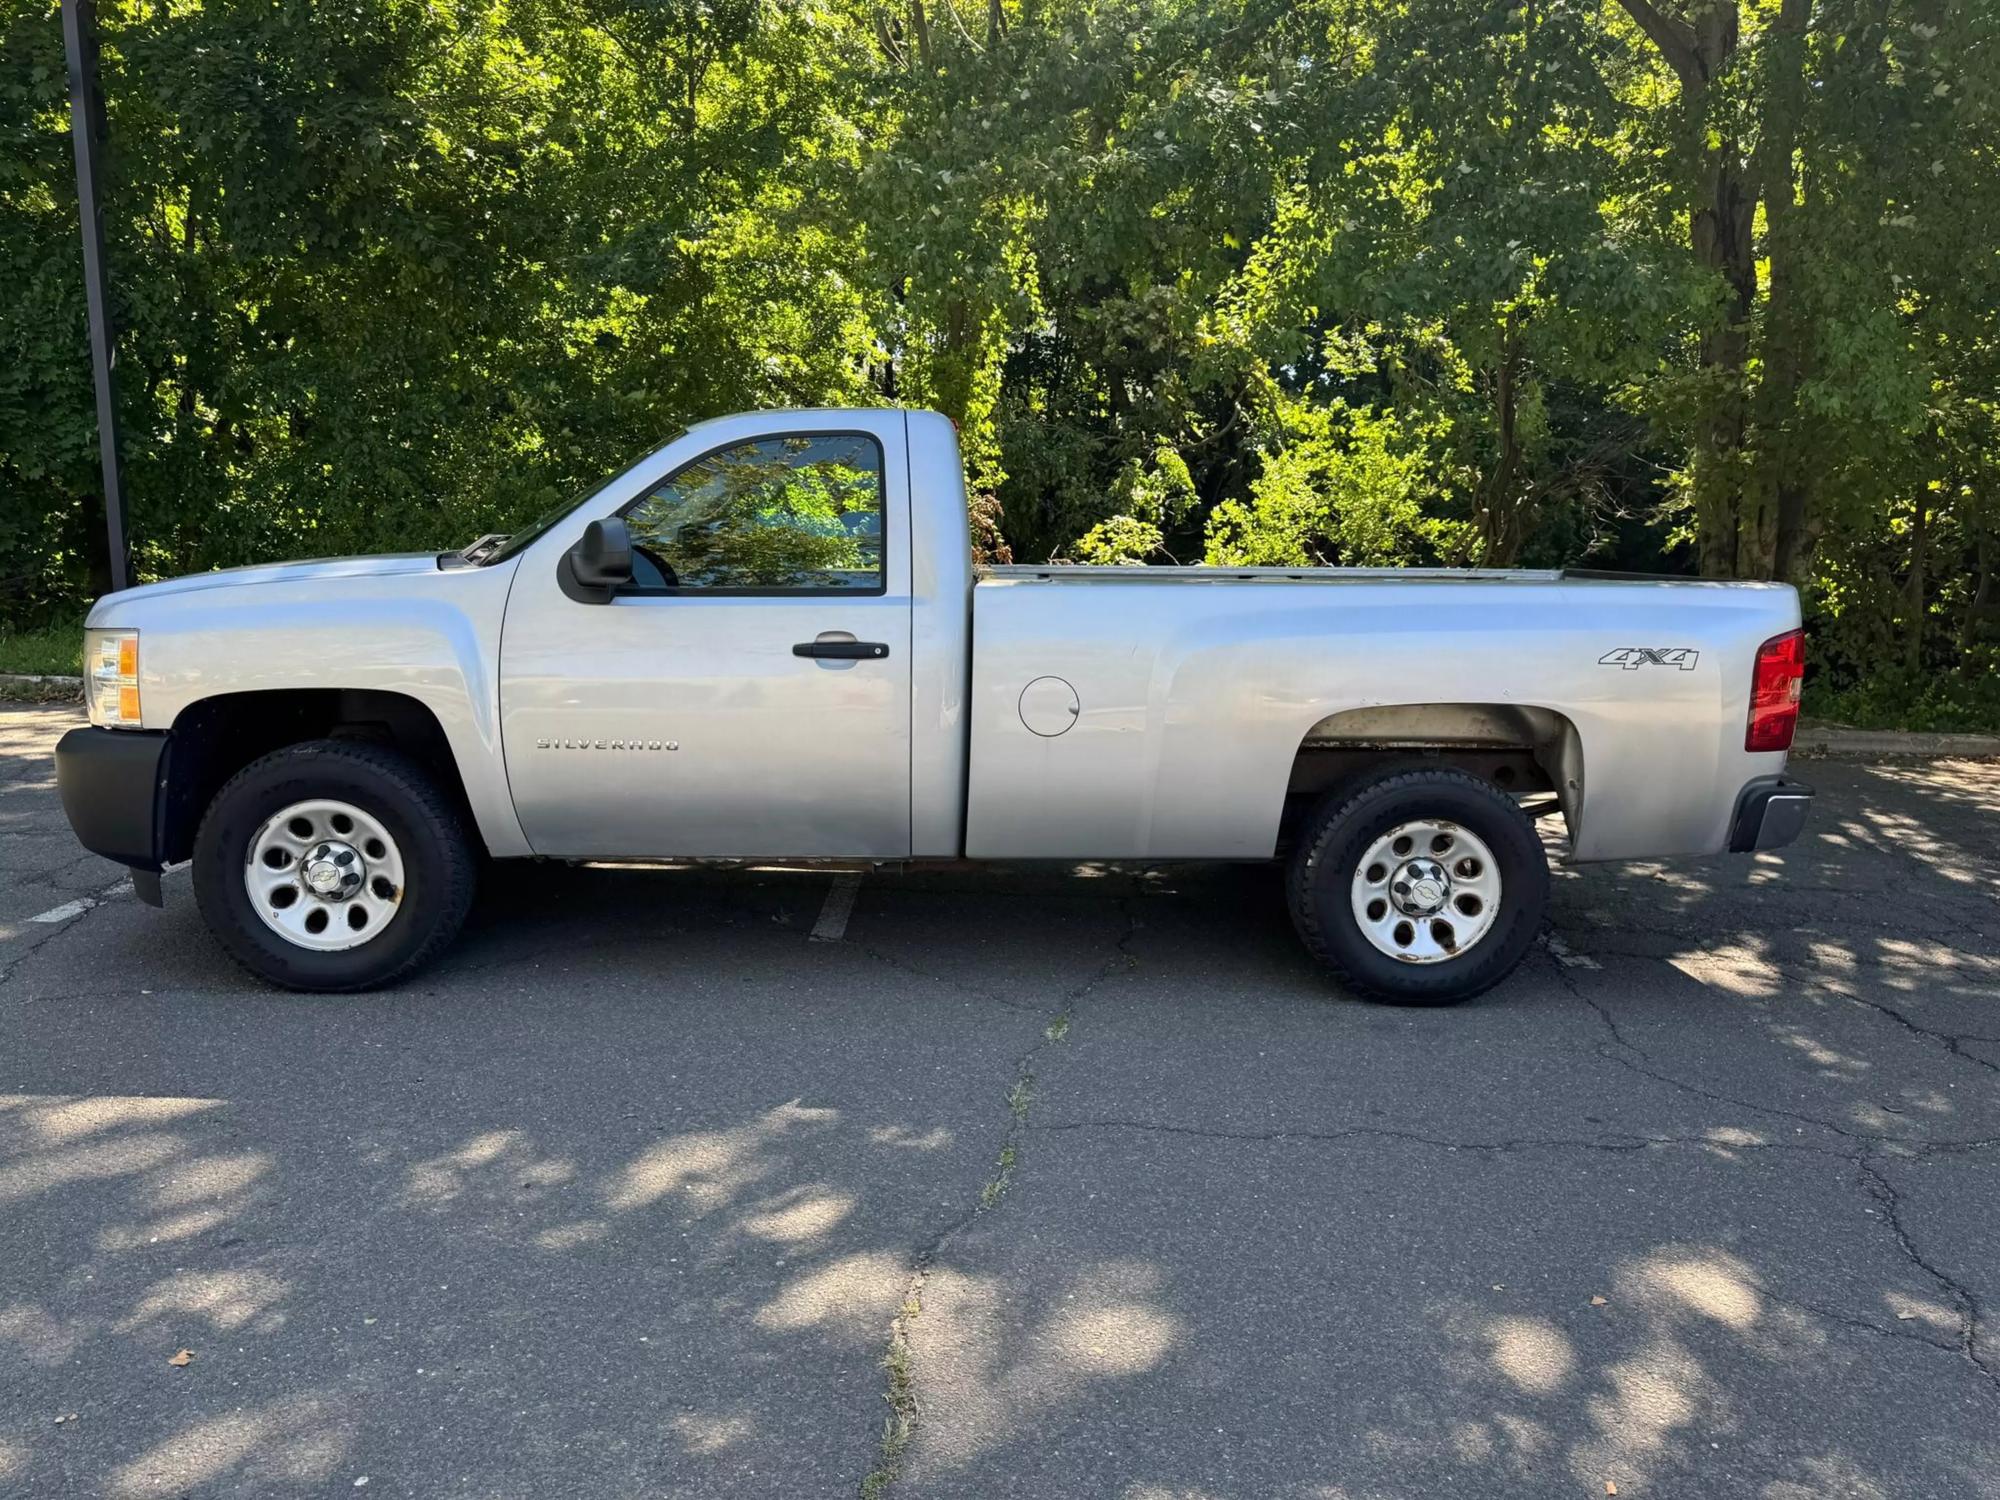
[603, 559]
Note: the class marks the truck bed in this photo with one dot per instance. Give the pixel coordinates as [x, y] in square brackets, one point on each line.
[1190, 692]
[1202, 573]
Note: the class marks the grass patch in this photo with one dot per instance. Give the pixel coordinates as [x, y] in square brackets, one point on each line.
[1924, 702]
[1021, 1096]
[902, 1390]
[52, 651]
[1002, 1179]
[902, 1398]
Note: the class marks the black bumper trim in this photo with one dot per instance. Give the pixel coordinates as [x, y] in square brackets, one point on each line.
[110, 782]
[1769, 815]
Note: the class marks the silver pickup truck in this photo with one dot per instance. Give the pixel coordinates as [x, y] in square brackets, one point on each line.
[766, 641]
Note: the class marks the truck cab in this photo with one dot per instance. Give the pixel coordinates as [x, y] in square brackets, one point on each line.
[784, 629]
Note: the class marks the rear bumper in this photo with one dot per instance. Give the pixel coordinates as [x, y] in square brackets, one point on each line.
[1769, 815]
[110, 781]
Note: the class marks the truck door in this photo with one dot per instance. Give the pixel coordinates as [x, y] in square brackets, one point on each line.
[749, 694]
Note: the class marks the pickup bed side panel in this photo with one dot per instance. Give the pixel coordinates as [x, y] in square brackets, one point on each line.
[1194, 692]
[432, 635]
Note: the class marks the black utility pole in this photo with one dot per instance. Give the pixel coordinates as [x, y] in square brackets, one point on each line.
[86, 127]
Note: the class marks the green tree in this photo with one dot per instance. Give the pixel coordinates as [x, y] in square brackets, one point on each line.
[1669, 284]
[391, 274]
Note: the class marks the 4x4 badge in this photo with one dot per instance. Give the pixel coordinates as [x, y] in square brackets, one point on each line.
[1631, 658]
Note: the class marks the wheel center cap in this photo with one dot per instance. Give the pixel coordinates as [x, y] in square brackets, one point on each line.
[332, 870]
[1421, 888]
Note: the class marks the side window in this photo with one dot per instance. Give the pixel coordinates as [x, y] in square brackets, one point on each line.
[771, 515]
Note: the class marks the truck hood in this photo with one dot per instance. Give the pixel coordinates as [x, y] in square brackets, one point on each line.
[293, 572]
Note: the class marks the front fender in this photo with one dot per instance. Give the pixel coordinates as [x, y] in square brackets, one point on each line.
[430, 636]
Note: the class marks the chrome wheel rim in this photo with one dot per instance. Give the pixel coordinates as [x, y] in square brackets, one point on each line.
[324, 875]
[1426, 891]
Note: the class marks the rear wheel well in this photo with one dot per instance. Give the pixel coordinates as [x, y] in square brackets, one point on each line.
[1533, 754]
[215, 738]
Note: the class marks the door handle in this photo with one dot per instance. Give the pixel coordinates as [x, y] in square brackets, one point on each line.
[841, 650]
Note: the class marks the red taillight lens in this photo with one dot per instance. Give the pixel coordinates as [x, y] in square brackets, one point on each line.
[1774, 692]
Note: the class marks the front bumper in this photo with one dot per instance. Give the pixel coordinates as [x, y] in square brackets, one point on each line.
[111, 782]
[1769, 815]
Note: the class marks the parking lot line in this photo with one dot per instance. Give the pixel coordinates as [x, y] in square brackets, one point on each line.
[81, 904]
[64, 912]
[833, 915]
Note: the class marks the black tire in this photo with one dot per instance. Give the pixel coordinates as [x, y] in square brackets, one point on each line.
[1339, 831]
[439, 863]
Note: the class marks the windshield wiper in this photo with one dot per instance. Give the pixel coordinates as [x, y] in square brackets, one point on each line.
[491, 542]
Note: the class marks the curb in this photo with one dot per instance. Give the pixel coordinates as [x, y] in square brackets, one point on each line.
[1893, 742]
[38, 686]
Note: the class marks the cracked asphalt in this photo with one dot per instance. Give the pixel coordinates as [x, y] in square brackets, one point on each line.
[1038, 1183]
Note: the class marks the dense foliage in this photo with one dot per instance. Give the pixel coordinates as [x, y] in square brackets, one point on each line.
[1692, 285]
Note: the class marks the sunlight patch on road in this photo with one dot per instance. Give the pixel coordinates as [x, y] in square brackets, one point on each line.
[859, 1291]
[1532, 1353]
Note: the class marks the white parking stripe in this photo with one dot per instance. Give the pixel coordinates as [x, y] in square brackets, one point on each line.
[1562, 954]
[833, 915]
[81, 904]
[64, 912]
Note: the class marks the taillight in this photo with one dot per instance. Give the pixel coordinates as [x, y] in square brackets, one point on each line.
[1774, 692]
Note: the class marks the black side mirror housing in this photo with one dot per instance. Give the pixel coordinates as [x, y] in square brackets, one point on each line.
[603, 559]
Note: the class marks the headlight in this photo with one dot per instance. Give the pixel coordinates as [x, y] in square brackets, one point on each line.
[111, 678]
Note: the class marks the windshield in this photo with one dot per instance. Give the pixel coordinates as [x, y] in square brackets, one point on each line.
[536, 529]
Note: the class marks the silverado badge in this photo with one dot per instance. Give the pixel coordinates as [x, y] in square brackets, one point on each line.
[568, 744]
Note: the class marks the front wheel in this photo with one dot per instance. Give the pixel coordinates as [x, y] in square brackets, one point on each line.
[333, 865]
[1421, 887]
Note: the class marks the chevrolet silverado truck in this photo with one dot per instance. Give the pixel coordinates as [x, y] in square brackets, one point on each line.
[767, 642]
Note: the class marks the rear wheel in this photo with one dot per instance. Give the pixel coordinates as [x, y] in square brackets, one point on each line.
[1420, 887]
[333, 865]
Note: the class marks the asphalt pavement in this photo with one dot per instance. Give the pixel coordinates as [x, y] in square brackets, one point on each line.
[1019, 1183]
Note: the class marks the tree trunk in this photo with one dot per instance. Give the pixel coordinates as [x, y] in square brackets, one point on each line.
[887, 42]
[1913, 589]
[1500, 522]
[1719, 440]
[1721, 214]
[1982, 602]
[96, 546]
[1784, 540]
[952, 371]
[1719, 229]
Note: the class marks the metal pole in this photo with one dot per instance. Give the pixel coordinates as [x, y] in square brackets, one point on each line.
[86, 127]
